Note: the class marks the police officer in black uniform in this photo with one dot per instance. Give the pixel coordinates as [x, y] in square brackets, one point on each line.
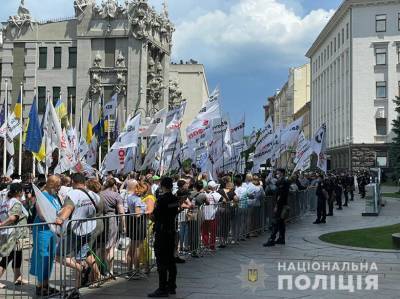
[164, 216]
[279, 225]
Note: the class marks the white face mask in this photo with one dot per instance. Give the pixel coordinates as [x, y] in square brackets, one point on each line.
[23, 198]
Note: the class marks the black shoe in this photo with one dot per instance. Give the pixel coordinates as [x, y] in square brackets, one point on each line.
[345, 205]
[172, 291]
[222, 246]
[158, 294]
[323, 221]
[85, 276]
[270, 243]
[178, 260]
[316, 222]
[280, 242]
[330, 214]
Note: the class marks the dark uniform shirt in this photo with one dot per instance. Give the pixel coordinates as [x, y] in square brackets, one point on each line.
[165, 212]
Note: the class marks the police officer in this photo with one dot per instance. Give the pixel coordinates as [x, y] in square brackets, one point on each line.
[322, 197]
[280, 214]
[164, 217]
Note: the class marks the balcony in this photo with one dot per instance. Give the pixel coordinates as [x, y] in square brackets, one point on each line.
[380, 138]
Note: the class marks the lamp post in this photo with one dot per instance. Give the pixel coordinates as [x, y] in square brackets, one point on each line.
[349, 142]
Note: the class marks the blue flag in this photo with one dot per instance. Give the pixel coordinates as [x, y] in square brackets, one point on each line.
[3, 114]
[34, 135]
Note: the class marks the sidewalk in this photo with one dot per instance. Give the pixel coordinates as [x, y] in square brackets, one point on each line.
[214, 276]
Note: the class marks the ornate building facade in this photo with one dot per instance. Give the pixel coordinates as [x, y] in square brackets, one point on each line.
[103, 49]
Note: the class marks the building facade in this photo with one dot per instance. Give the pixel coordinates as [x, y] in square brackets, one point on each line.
[191, 81]
[104, 49]
[290, 103]
[355, 77]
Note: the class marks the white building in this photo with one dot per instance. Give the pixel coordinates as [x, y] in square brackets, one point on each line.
[355, 75]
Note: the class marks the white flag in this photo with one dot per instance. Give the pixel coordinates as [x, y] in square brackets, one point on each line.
[228, 142]
[198, 132]
[111, 107]
[264, 135]
[237, 132]
[219, 126]
[156, 127]
[130, 157]
[130, 135]
[12, 126]
[152, 158]
[174, 117]
[210, 109]
[318, 145]
[114, 160]
[290, 133]
[10, 168]
[91, 155]
[83, 148]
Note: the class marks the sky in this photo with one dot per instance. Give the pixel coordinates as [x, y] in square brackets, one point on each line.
[246, 46]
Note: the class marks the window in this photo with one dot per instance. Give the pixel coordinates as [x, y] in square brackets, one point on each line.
[335, 44]
[381, 89]
[338, 40]
[347, 31]
[41, 99]
[342, 35]
[381, 159]
[42, 57]
[72, 57]
[381, 126]
[57, 57]
[381, 56]
[56, 94]
[109, 60]
[71, 97]
[398, 21]
[331, 48]
[380, 23]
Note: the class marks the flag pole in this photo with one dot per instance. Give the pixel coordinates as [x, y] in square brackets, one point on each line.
[33, 156]
[51, 137]
[20, 134]
[81, 120]
[5, 133]
[70, 110]
[100, 104]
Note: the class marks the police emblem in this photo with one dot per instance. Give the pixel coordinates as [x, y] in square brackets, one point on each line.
[252, 276]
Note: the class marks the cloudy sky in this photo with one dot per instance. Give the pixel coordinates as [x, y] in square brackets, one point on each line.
[246, 46]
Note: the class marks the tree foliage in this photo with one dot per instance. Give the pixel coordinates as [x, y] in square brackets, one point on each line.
[395, 146]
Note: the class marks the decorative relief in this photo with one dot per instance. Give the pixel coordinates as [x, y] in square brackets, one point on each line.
[175, 94]
[120, 61]
[155, 76]
[109, 9]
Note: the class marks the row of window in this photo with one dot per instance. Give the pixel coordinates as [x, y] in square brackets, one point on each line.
[42, 94]
[381, 22]
[331, 48]
[72, 56]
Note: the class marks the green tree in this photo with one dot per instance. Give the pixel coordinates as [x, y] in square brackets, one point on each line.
[395, 146]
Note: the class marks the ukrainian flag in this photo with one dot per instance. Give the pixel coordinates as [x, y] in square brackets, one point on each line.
[18, 107]
[89, 129]
[41, 155]
[61, 109]
[34, 136]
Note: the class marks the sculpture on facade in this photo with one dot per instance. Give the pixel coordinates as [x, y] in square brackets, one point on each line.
[22, 18]
[155, 77]
[120, 61]
[175, 94]
[109, 9]
[95, 84]
[120, 86]
[97, 61]
[81, 5]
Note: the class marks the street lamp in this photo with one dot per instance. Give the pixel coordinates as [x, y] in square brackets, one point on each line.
[349, 142]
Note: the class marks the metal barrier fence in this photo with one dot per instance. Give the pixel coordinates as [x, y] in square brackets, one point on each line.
[93, 251]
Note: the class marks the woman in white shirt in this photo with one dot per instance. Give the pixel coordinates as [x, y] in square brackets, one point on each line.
[209, 225]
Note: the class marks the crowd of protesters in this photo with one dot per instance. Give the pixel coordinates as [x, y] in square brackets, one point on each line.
[190, 209]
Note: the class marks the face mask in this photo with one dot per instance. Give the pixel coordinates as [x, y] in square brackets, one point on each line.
[23, 198]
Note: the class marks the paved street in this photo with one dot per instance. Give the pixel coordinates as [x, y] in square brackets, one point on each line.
[214, 276]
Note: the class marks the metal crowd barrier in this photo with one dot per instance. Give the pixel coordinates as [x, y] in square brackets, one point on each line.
[91, 252]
